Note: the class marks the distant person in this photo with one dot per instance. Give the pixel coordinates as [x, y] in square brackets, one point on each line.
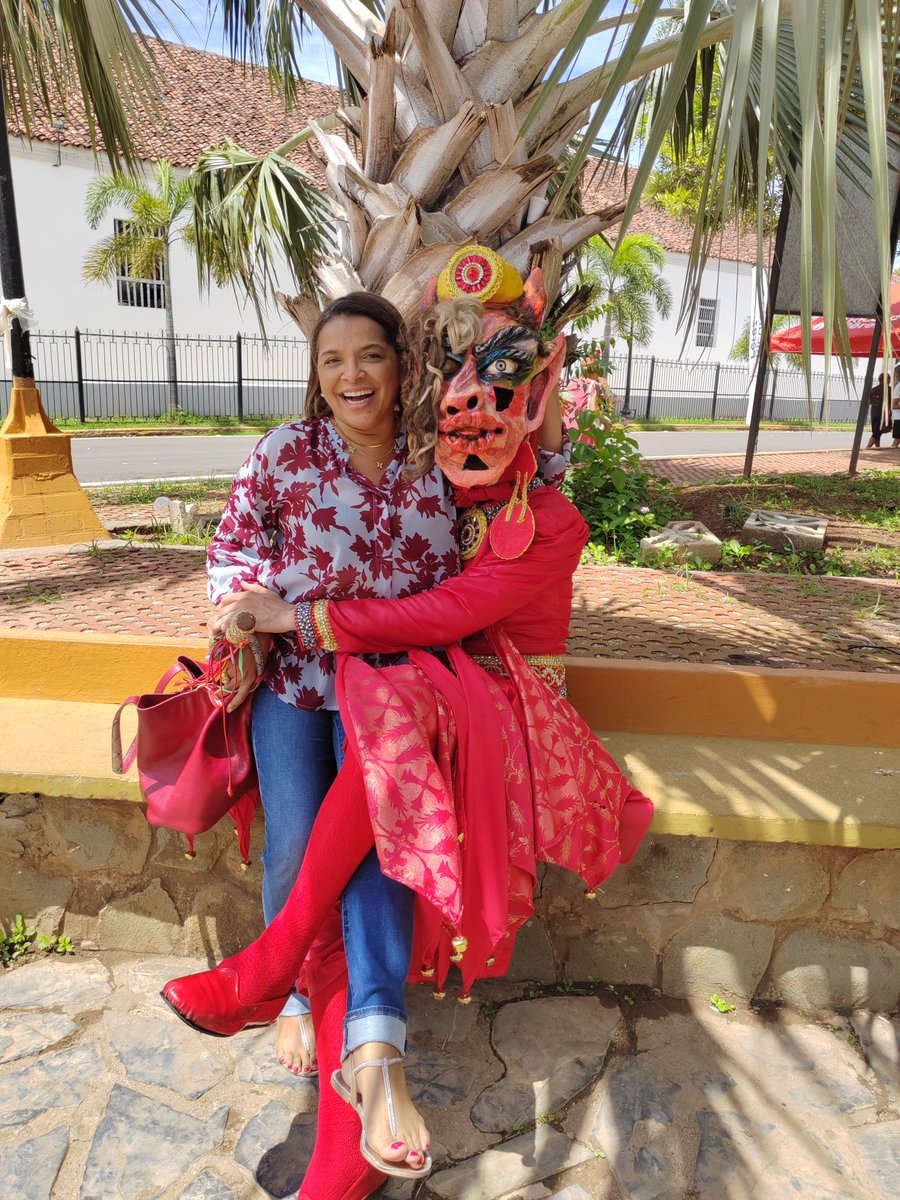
[876, 409]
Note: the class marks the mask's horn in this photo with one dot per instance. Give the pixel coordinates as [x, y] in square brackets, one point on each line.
[534, 298]
[429, 299]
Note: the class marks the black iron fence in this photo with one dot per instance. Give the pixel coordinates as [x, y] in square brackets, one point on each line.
[92, 375]
[660, 388]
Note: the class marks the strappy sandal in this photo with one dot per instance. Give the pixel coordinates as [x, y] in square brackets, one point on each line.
[353, 1099]
[307, 1046]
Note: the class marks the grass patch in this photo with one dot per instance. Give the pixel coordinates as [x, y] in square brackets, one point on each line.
[179, 420]
[192, 491]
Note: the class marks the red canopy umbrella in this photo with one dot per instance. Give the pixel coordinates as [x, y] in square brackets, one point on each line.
[862, 329]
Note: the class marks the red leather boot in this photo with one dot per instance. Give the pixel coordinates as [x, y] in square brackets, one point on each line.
[250, 987]
[337, 1170]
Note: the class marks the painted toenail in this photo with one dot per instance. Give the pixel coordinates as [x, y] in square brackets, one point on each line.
[397, 1145]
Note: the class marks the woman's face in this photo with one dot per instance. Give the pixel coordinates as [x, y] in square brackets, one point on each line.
[359, 374]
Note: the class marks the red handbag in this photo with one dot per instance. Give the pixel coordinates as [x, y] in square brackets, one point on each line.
[194, 759]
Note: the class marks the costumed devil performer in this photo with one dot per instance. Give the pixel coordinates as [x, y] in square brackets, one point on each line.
[464, 767]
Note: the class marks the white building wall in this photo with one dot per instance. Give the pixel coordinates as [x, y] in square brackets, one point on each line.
[55, 238]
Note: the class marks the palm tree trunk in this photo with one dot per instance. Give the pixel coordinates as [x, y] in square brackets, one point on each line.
[171, 360]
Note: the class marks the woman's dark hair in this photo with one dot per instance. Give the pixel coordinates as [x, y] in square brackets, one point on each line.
[355, 304]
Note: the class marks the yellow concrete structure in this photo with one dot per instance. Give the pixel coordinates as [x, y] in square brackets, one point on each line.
[41, 501]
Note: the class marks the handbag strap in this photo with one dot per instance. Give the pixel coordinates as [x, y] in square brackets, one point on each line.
[120, 763]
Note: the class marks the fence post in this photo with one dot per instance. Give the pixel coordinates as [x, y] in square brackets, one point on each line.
[239, 362]
[650, 387]
[712, 415]
[79, 374]
[772, 392]
[822, 408]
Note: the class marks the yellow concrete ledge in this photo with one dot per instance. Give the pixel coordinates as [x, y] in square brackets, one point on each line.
[843, 708]
[709, 787]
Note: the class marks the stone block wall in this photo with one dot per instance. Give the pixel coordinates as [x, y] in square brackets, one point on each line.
[815, 927]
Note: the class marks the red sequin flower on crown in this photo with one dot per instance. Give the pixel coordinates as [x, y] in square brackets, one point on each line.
[474, 274]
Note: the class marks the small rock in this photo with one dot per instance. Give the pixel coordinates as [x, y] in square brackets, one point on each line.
[29, 1169]
[438, 1078]
[41, 899]
[30, 1033]
[815, 969]
[683, 541]
[97, 835]
[141, 1147]
[867, 888]
[771, 882]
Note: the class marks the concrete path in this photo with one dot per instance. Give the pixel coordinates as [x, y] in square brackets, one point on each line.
[607, 1096]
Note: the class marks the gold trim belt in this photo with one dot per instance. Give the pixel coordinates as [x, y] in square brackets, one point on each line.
[548, 667]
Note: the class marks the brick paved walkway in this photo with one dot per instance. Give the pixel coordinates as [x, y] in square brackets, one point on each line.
[805, 462]
[618, 612]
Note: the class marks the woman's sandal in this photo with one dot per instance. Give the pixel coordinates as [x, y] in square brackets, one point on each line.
[313, 1070]
[353, 1099]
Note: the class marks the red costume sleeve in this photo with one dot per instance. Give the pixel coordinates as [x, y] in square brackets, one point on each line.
[489, 589]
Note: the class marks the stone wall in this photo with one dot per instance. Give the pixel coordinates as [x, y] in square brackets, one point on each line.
[815, 927]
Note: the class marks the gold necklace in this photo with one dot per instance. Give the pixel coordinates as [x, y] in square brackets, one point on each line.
[355, 447]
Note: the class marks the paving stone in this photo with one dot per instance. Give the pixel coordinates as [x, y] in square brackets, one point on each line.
[40, 898]
[683, 541]
[785, 531]
[29, 1033]
[146, 977]
[552, 1049]
[716, 954]
[617, 954]
[162, 1050]
[208, 1186]
[224, 918]
[540, 1154]
[75, 987]
[773, 882]
[58, 1081]
[729, 1153]
[439, 1078]
[814, 969]
[29, 1169]
[574, 1192]
[148, 919]
[879, 1037]
[439, 1020]
[275, 1147]
[879, 1147]
[867, 888]
[664, 870]
[532, 957]
[96, 835]
[141, 1147]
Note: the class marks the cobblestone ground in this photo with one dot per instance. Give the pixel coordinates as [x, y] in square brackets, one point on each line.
[104, 1095]
[618, 612]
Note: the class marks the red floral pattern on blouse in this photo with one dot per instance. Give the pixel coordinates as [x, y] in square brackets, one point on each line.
[303, 522]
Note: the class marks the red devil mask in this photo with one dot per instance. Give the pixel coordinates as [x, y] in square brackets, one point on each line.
[496, 390]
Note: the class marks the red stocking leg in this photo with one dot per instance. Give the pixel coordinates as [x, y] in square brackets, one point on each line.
[337, 1170]
[250, 987]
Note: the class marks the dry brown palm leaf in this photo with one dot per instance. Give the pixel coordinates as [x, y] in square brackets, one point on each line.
[352, 221]
[429, 160]
[490, 200]
[448, 86]
[303, 311]
[406, 288]
[506, 70]
[390, 242]
[502, 20]
[438, 227]
[336, 276]
[571, 233]
[345, 31]
[471, 29]
[378, 145]
[548, 256]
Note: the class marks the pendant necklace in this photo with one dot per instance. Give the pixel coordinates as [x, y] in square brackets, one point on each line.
[355, 447]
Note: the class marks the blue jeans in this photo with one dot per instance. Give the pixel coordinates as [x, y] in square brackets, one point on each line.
[298, 752]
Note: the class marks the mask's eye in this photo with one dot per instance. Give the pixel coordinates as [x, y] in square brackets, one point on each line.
[500, 367]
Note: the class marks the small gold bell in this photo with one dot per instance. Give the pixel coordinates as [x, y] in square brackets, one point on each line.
[590, 895]
[464, 998]
[427, 972]
[489, 962]
[245, 866]
[439, 995]
[461, 838]
[190, 855]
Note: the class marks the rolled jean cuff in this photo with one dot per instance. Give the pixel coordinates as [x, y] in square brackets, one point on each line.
[374, 1025]
[295, 1006]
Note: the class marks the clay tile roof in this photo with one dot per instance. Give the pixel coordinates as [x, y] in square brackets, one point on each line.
[674, 235]
[206, 99]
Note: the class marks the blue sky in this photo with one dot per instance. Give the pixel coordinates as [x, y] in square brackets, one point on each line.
[193, 26]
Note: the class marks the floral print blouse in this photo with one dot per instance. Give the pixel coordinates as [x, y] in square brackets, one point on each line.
[303, 522]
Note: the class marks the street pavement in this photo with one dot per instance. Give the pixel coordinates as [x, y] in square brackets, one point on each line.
[104, 1095]
[191, 456]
